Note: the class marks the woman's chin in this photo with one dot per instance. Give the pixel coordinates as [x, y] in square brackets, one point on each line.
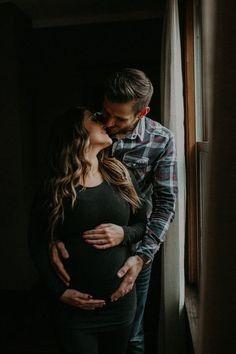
[108, 142]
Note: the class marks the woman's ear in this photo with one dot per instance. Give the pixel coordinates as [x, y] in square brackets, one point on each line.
[144, 112]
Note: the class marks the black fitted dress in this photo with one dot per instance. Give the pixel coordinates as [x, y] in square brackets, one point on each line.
[91, 270]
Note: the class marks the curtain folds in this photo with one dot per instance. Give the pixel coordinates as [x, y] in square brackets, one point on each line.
[172, 329]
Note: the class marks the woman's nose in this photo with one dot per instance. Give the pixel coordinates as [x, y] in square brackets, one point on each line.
[110, 122]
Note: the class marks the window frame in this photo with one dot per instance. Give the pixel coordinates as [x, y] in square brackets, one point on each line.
[196, 129]
[191, 147]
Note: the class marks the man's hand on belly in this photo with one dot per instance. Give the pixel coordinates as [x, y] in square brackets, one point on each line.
[75, 298]
[57, 253]
[129, 272]
[104, 236]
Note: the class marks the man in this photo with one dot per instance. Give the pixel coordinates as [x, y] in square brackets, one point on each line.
[148, 149]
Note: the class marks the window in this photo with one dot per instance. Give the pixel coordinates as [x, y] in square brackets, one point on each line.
[196, 158]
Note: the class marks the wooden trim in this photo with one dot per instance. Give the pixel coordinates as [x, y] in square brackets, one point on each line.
[190, 127]
[202, 151]
[203, 146]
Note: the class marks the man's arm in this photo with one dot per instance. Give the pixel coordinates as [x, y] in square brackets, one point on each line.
[58, 252]
[163, 211]
[163, 200]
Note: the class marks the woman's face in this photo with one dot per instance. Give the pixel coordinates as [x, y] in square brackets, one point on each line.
[97, 132]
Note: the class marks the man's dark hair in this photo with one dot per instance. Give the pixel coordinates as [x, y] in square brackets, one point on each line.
[127, 85]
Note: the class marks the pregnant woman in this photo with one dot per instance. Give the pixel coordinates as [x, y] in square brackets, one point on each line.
[85, 190]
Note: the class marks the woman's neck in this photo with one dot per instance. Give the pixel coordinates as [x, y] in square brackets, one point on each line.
[91, 156]
[94, 176]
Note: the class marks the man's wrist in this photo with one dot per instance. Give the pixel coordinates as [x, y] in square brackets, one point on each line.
[146, 260]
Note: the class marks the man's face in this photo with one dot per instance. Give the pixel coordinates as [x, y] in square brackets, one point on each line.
[120, 118]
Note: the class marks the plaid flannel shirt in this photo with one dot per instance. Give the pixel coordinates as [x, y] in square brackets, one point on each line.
[149, 151]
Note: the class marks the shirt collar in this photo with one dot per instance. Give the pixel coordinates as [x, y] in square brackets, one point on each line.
[138, 131]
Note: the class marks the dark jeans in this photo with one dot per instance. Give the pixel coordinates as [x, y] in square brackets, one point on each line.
[75, 341]
[136, 342]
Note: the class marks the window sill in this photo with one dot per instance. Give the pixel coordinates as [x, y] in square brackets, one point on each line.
[192, 309]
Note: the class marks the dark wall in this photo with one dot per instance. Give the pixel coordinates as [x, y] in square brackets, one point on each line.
[17, 146]
[42, 72]
[74, 61]
[71, 64]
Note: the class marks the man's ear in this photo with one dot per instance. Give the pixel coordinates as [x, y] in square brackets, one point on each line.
[144, 112]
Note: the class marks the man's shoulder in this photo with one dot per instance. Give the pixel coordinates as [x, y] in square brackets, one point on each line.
[155, 128]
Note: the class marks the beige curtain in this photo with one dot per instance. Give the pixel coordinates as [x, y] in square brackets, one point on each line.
[172, 333]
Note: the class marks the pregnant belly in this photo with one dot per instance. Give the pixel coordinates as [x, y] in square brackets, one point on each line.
[94, 271]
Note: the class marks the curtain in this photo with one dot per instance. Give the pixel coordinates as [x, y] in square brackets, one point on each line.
[172, 333]
[217, 298]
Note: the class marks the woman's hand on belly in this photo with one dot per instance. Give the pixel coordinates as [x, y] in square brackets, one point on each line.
[84, 301]
[104, 236]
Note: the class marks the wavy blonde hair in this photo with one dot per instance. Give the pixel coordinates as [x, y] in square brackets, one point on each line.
[67, 164]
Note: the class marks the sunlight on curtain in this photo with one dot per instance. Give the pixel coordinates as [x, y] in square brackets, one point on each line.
[172, 319]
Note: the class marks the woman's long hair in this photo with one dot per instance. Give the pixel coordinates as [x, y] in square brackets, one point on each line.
[67, 164]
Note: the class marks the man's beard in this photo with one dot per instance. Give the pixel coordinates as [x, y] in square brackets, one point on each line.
[126, 130]
[122, 132]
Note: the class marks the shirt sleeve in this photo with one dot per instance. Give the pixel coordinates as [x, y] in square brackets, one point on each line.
[163, 200]
[135, 230]
[38, 243]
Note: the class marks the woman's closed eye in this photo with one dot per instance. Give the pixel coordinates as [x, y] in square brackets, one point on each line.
[98, 118]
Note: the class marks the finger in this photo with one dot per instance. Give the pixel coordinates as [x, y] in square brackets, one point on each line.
[96, 302]
[93, 233]
[125, 287]
[56, 260]
[96, 242]
[54, 253]
[103, 247]
[88, 307]
[117, 294]
[63, 250]
[62, 273]
[123, 271]
[84, 296]
[90, 302]
[60, 270]
[66, 282]
[102, 226]
[85, 305]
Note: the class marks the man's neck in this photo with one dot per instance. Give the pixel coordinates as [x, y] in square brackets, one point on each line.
[120, 136]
